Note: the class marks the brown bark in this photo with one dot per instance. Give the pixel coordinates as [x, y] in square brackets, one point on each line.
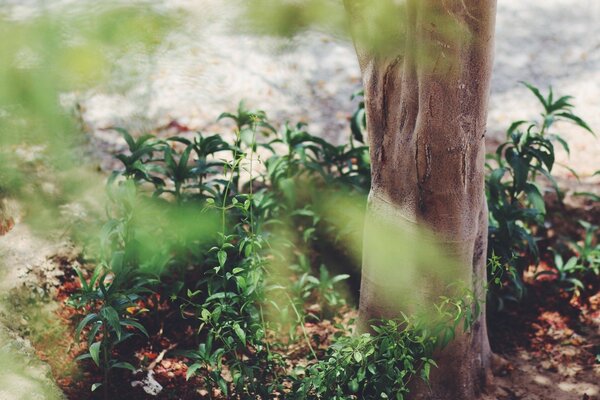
[426, 112]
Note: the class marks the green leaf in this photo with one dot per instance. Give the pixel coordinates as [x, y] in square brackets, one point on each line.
[227, 115]
[222, 256]
[94, 351]
[82, 280]
[240, 332]
[117, 261]
[537, 94]
[514, 126]
[535, 197]
[86, 320]
[192, 370]
[128, 138]
[357, 124]
[592, 196]
[520, 167]
[223, 386]
[93, 332]
[341, 277]
[135, 324]
[183, 161]
[358, 356]
[221, 295]
[96, 386]
[578, 121]
[82, 357]
[562, 142]
[124, 365]
[576, 283]
[571, 170]
[425, 372]
[112, 317]
[353, 385]
[552, 181]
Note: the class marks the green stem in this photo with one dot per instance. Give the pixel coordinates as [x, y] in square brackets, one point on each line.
[301, 322]
[225, 195]
[105, 341]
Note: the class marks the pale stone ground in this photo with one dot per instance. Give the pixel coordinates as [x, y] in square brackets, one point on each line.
[22, 375]
[206, 68]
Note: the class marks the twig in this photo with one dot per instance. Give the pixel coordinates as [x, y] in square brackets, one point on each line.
[160, 357]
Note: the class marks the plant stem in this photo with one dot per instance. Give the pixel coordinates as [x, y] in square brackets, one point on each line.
[301, 322]
[105, 341]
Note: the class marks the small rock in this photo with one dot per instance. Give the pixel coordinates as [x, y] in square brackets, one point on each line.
[548, 365]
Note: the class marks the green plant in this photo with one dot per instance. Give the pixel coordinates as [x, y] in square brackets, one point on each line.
[324, 287]
[565, 272]
[229, 291]
[515, 200]
[381, 364]
[369, 366]
[110, 323]
[358, 122]
[590, 195]
[130, 266]
[578, 272]
[253, 273]
[588, 250]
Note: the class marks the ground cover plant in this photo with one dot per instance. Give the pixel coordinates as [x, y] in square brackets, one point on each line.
[515, 200]
[213, 256]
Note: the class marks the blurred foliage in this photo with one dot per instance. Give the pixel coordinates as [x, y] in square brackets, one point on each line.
[48, 59]
[287, 18]
[382, 29]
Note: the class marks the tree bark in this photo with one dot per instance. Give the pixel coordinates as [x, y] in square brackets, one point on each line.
[426, 116]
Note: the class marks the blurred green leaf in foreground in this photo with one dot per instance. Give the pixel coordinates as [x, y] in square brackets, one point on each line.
[46, 59]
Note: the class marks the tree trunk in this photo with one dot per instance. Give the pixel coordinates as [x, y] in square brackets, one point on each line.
[426, 115]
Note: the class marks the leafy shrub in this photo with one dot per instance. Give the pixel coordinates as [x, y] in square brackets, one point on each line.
[564, 272]
[110, 324]
[382, 364]
[588, 249]
[515, 200]
[218, 272]
[581, 267]
[205, 221]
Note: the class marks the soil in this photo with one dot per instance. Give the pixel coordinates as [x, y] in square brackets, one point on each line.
[549, 343]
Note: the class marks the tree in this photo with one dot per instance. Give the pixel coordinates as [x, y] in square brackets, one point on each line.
[426, 91]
